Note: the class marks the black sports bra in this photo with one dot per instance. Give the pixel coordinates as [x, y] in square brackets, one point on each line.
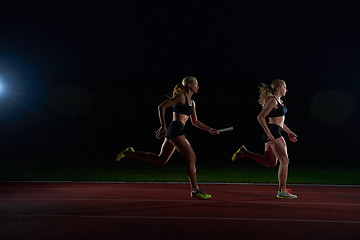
[185, 109]
[280, 111]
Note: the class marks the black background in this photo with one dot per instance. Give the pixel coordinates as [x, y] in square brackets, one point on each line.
[83, 80]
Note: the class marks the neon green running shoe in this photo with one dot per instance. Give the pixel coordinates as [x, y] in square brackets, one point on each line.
[239, 153]
[199, 195]
[124, 153]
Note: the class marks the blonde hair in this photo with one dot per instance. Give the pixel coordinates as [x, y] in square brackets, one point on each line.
[267, 92]
[183, 87]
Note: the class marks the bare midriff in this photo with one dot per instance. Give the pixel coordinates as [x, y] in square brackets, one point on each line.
[180, 117]
[277, 121]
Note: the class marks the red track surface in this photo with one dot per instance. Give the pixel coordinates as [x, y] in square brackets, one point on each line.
[165, 211]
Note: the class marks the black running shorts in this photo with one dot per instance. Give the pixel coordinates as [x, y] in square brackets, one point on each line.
[275, 131]
[175, 129]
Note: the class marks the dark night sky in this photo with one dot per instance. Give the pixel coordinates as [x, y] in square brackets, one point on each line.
[88, 77]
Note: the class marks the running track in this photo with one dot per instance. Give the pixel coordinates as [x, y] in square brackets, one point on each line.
[125, 211]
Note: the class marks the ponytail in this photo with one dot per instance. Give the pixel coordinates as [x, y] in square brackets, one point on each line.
[183, 87]
[267, 92]
[179, 89]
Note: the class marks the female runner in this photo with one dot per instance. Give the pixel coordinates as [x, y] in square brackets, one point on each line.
[183, 109]
[275, 145]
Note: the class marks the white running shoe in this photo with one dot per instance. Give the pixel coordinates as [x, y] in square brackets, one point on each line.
[286, 194]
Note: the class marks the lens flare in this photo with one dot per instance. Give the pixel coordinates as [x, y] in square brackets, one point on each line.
[332, 107]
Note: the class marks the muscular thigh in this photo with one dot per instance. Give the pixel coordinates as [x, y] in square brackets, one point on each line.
[270, 154]
[279, 147]
[167, 149]
[183, 146]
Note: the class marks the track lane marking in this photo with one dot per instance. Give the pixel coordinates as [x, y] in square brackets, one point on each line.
[279, 202]
[190, 218]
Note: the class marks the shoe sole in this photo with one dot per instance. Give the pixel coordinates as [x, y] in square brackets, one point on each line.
[122, 154]
[234, 156]
[200, 198]
[286, 197]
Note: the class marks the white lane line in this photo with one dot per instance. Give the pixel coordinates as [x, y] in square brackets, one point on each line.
[235, 191]
[265, 202]
[190, 218]
[185, 183]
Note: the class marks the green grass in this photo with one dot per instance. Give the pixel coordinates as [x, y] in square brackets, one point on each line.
[174, 171]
